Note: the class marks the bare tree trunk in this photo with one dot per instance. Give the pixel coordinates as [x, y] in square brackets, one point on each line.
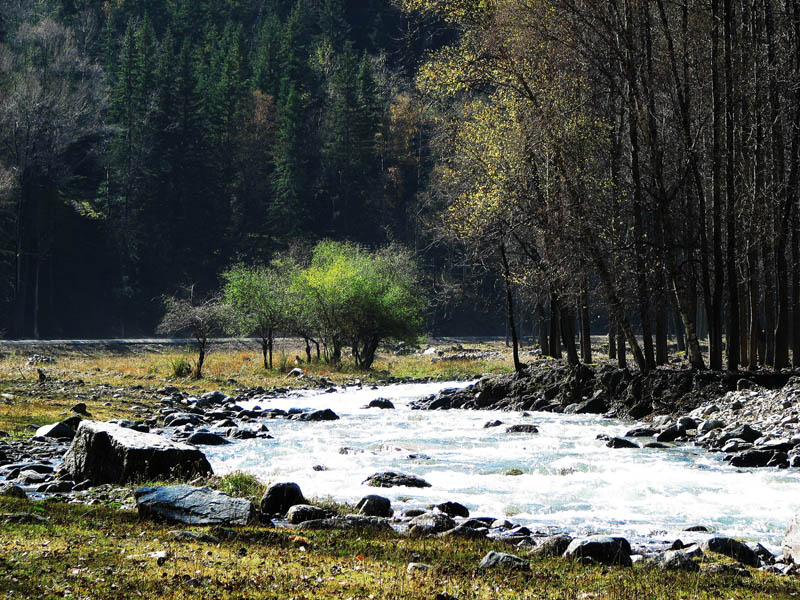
[586, 329]
[544, 345]
[680, 340]
[732, 307]
[769, 300]
[555, 326]
[622, 362]
[568, 334]
[612, 340]
[518, 366]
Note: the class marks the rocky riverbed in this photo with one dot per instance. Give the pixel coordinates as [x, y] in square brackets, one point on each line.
[750, 419]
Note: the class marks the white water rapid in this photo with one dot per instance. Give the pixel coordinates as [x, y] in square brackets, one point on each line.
[569, 480]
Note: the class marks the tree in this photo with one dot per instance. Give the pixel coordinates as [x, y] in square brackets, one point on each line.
[200, 319]
[260, 301]
[361, 299]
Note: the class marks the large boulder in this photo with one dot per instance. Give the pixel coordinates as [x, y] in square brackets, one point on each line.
[280, 497]
[392, 479]
[431, 523]
[325, 414]
[732, 548]
[453, 509]
[791, 541]
[193, 506]
[108, 453]
[604, 549]
[374, 506]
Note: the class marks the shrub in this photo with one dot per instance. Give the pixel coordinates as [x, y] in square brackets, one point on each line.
[180, 366]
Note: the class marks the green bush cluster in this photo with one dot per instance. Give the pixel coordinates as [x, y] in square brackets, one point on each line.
[339, 296]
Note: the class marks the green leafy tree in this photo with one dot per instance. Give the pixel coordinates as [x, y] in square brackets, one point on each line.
[260, 301]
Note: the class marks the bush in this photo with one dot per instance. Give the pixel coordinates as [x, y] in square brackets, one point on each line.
[180, 366]
[240, 485]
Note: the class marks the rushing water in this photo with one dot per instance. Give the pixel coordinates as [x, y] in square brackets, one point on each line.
[569, 480]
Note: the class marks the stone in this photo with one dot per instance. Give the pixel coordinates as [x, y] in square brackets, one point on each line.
[296, 372]
[670, 434]
[641, 432]
[618, 442]
[10, 490]
[490, 424]
[374, 506]
[791, 540]
[751, 458]
[414, 568]
[393, 479]
[453, 509]
[348, 522]
[555, 545]
[606, 550]
[465, 533]
[183, 535]
[733, 549]
[80, 408]
[325, 414]
[205, 438]
[595, 405]
[431, 523]
[300, 513]
[280, 497]
[108, 453]
[193, 506]
[178, 419]
[383, 403]
[745, 432]
[676, 560]
[710, 425]
[62, 430]
[501, 560]
[522, 428]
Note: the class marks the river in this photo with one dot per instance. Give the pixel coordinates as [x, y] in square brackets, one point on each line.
[560, 479]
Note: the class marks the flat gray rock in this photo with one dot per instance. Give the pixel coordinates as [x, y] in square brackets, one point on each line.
[108, 453]
[193, 506]
[501, 560]
[393, 479]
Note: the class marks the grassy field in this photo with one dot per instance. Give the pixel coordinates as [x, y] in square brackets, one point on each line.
[119, 383]
[102, 552]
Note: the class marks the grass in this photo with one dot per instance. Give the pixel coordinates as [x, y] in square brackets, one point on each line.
[113, 382]
[99, 552]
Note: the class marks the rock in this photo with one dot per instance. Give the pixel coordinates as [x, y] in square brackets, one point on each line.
[453, 509]
[414, 568]
[555, 545]
[107, 453]
[23, 518]
[325, 414]
[383, 403]
[642, 432]
[490, 424]
[522, 428]
[465, 533]
[305, 512]
[10, 490]
[752, 458]
[745, 432]
[618, 442]
[352, 522]
[205, 438]
[501, 560]
[431, 523]
[670, 434]
[62, 430]
[595, 405]
[80, 408]
[725, 569]
[183, 535]
[732, 548]
[193, 506]
[676, 560]
[56, 487]
[393, 479]
[605, 550]
[791, 540]
[280, 497]
[374, 506]
[296, 372]
[178, 419]
[710, 425]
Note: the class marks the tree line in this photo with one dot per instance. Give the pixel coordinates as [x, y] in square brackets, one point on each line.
[641, 156]
[338, 295]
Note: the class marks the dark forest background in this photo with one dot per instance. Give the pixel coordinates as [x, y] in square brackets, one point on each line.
[150, 144]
